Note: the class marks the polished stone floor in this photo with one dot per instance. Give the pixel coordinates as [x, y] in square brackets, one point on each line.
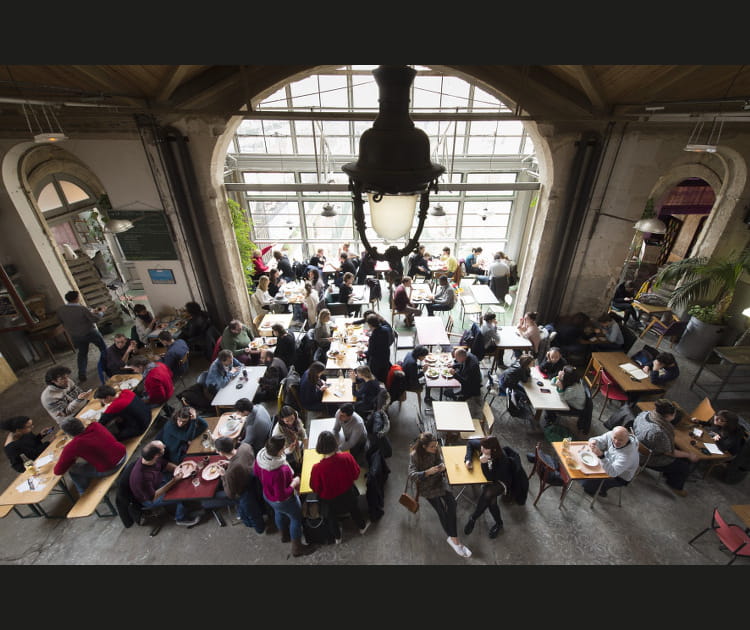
[651, 528]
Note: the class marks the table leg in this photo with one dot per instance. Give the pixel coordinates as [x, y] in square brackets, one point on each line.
[596, 494]
[565, 489]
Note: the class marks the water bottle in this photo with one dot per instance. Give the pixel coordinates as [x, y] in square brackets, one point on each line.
[244, 375]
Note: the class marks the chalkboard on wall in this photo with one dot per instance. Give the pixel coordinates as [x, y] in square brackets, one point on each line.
[149, 239]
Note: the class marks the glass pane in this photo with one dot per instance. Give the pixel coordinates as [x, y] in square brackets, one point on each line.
[276, 100]
[426, 93]
[333, 92]
[305, 93]
[250, 128]
[365, 93]
[48, 198]
[72, 192]
[279, 144]
[251, 144]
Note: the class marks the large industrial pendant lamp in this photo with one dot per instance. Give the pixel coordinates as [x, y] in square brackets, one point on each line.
[393, 168]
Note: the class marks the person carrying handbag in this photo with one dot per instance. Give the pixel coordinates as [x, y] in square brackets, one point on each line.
[427, 470]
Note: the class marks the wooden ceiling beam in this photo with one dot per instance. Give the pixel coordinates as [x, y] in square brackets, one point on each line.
[591, 87]
[103, 78]
[171, 83]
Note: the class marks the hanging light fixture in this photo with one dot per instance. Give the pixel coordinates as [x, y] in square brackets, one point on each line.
[652, 225]
[437, 211]
[328, 211]
[393, 168]
[700, 144]
[44, 136]
[117, 226]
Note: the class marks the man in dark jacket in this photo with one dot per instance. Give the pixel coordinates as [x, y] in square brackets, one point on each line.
[378, 349]
[284, 266]
[466, 371]
[126, 415]
[286, 345]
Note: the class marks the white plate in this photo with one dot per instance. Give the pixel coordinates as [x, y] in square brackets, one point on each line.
[589, 459]
[186, 467]
[212, 471]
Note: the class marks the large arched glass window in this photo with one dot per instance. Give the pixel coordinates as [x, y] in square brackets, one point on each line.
[297, 154]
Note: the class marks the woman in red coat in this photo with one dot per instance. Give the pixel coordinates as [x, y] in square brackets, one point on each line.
[332, 479]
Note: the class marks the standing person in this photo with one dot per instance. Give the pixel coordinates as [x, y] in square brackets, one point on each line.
[289, 425]
[311, 300]
[125, 415]
[286, 346]
[466, 371]
[280, 485]
[284, 266]
[236, 338]
[353, 428]
[194, 330]
[332, 479]
[221, 371]
[22, 440]
[80, 323]
[402, 301]
[427, 471]
[497, 467]
[177, 349]
[100, 452]
[184, 426]
[157, 380]
[241, 485]
[257, 427]
[444, 299]
[378, 353]
[62, 397]
[622, 300]
[655, 430]
[618, 452]
[260, 267]
[145, 323]
[118, 354]
[150, 479]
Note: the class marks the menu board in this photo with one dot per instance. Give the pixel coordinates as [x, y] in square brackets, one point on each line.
[148, 239]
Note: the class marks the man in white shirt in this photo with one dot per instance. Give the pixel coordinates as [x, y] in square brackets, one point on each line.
[617, 451]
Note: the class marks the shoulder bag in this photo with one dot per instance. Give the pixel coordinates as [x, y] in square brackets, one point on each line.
[410, 502]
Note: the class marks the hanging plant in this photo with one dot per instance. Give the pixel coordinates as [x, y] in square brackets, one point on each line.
[242, 224]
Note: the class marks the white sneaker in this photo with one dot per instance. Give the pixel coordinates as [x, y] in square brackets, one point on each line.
[365, 528]
[338, 541]
[459, 549]
[466, 551]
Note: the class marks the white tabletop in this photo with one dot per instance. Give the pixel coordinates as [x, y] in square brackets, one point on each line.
[273, 318]
[317, 426]
[452, 416]
[543, 400]
[228, 395]
[483, 294]
[511, 338]
[431, 331]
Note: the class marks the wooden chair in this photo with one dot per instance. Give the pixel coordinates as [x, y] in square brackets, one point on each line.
[394, 312]
[182, 367]
[478, 431]
[488, 418]
[548, 476]
[704, 411]
[672, 331]
[731, 537]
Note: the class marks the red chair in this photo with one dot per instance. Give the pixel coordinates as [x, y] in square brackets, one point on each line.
[217, 347]
[604, 383]
[733, 537]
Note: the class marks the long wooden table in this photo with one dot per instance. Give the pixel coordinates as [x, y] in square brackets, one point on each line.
[483, 294]
[610, 362]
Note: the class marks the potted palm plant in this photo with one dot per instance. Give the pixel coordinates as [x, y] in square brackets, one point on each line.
[706, 287]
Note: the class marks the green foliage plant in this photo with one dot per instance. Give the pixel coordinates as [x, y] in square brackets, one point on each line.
[242, 224]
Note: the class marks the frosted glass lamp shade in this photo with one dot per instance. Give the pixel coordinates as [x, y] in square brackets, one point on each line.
[392, 216]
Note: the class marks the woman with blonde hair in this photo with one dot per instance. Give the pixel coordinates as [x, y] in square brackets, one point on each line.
[311, 304]
[427, 471]
[323, 333]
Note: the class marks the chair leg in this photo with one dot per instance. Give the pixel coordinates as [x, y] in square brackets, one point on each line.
[690, 542]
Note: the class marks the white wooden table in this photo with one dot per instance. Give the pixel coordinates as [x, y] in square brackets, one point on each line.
[274, 318]
[452, 416]
[511, 339]
[317, 426]
[431, 331]
[483, 294]
[228, 395]
[540, 400]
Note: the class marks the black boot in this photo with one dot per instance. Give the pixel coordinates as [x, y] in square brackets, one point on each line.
[495, 529]
[470, 526]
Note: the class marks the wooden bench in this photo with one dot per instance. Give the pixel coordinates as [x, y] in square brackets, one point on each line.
[97, 490]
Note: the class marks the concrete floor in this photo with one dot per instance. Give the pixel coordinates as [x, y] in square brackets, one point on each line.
[651, 528]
